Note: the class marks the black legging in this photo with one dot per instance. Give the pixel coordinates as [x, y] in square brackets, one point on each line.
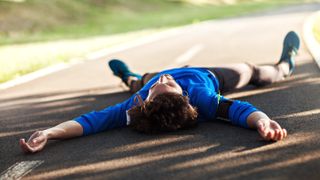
[234, 76]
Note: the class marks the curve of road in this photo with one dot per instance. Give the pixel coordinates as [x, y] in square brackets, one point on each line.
[213, 150]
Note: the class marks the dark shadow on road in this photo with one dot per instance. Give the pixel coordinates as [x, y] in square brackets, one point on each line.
[212, 150]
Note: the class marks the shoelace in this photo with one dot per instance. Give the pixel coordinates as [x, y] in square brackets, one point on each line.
[293, 51]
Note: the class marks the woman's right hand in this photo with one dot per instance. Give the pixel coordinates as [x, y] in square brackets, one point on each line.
[35, 143]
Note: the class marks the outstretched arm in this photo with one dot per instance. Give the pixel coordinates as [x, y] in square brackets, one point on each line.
[246, 115]
[86, 124]
[214, 106]
[38, 139]
[267, 128]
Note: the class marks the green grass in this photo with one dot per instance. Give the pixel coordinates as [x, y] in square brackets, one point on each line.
[45, 20]
[17, 60]
[27, 27]
[316, 28]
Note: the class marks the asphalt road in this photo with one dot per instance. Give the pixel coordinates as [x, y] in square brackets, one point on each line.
[215, 150]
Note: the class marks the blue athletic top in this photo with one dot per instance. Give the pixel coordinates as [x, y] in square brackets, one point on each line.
[201, 86]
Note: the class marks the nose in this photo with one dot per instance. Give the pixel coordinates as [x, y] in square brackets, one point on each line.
[163, 79]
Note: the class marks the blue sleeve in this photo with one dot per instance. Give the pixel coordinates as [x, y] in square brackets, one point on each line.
[239, 112]
[108, 118]
[206, 102]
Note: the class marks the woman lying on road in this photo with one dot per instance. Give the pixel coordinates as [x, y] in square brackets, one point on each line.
[180, 98]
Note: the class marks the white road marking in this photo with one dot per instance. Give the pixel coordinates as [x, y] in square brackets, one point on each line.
[313, 112]
[34, 75]
[19, 169]
[94, 56]
[104, 52]
[188, 55]
[135, 43]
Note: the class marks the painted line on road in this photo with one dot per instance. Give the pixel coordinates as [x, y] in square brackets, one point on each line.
[94, 56]
[135, 43]
[189, 54]
[313, 112]
[19, 169]
[35, 75]
[104, 52]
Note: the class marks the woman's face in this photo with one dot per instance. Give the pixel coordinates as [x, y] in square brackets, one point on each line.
[165, 84]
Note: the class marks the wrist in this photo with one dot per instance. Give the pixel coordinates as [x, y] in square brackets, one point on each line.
[256, 117]
[47, 133]
[259, 121]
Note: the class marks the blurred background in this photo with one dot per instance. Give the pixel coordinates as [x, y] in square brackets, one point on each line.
[38, 33]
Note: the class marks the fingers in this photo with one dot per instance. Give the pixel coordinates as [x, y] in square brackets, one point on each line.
[285, 133]
[262, 129]
[35, 143]
[260, 126]
[30, 148]
[22, 145]
[38, 139]
[25, 147]
[282, 134]
[34, 135]
[266, 134]
[271, 130]
[275, 125]
[270, 135]
[277, 135]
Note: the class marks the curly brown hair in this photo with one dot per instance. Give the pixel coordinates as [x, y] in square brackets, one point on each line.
[166, 112]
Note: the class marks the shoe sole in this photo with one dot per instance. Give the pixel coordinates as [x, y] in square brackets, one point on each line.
[115, 65]
[291, 40]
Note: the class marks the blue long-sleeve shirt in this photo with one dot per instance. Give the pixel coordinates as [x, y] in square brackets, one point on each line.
[201, 86]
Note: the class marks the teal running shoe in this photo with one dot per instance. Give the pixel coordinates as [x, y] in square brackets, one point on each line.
[120, 69]
[290, 49]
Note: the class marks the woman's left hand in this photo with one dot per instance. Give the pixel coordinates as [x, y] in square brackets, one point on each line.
[270, 130]
[36, 142]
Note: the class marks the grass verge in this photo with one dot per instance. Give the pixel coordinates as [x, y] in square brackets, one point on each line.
[38, 20]
[50, 32]
[316, 28]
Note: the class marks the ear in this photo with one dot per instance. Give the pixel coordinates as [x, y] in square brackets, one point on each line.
[191, 107]
[194, 110]
[185, 93]
[138, 99]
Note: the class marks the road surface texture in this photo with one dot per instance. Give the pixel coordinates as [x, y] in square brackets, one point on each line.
[213, 150]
